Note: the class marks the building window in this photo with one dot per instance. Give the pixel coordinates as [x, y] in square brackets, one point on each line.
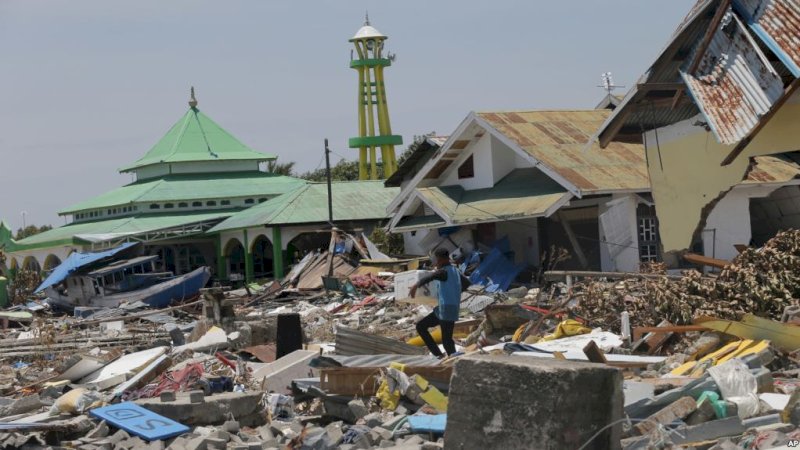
[647, 227]
[183, 205]
[197, 204]
[155, 206]
[466, 169]
[169, 205]
[211, 203]
[262, 200]
[249, 201]
[225, 202]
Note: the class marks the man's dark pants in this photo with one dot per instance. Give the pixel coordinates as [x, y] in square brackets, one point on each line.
[430, 321]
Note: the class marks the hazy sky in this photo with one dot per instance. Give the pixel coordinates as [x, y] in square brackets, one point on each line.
[89, 86]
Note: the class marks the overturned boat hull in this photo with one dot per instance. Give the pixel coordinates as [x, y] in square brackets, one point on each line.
[159, 295]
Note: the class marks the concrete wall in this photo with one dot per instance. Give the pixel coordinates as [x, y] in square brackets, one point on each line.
[619, 251]
[692, 176]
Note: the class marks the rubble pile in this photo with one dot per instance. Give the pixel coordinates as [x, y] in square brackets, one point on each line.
[688, 361]
[761, 281]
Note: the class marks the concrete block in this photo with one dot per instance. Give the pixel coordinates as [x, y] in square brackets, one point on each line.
[167, 396]
[358, 408]
[678, 410]
[704, 412]
[197, 397]
[373, 419]
[499, 401]
[215, 443]
[231, 426]
[244, 407]
[278, 375]
[99, 432]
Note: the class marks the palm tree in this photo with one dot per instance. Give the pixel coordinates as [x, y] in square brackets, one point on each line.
[277, 168]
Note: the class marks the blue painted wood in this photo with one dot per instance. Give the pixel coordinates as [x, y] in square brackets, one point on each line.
[139, 421]
[428, 423]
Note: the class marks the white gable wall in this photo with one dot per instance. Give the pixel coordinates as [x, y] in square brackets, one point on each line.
[482, 161]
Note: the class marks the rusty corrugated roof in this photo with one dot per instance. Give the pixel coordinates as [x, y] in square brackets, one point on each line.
[772, 169]
[558, 139]
[734, 84]
[777, 22]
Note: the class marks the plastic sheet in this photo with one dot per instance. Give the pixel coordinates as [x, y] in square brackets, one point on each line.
[738, 385]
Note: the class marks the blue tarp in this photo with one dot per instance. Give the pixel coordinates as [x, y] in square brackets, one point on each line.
[77, 260]
[428, 423]
[496, 272]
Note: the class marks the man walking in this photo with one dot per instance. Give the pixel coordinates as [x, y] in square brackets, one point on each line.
[446, 313]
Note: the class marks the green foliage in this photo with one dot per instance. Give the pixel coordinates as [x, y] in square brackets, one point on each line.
[31, 230]
[390, 244]
[343, 171]
[277, 168]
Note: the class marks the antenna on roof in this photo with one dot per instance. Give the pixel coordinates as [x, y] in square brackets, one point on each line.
[366, 18]
[192, 99]
[607, 83]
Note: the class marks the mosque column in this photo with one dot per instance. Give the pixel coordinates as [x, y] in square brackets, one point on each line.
[277, 253]
[249, 272]
[221, 263]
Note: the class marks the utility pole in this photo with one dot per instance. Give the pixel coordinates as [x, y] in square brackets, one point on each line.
[328, 174]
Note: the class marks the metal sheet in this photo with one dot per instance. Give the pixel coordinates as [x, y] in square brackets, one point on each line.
[734, 84]
[777, 23]
[772, 169]
[373, 360]
[351, 342]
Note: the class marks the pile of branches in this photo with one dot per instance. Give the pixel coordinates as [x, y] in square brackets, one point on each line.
[24, 283]
[761, 281]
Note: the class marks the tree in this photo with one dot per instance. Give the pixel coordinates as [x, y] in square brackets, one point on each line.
[343, 171]
[389, 244]
[31, 230]
[277, 168]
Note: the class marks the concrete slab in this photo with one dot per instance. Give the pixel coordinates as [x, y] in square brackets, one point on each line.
[278, 375]
[499, 401]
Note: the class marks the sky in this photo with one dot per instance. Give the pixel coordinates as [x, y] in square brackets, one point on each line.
[87, 86]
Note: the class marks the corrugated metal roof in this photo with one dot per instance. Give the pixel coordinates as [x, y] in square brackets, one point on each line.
[777, 22]
[374, 360]
[195, 137]
[734, 84]
[351, 342]
[558, 139]
[520, 194]
[192, 187]
[123, 226]
[413, 162]
[352, 200]
[772, 169]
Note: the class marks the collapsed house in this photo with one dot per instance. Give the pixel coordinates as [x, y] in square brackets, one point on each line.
[720, 96]
[529, 176]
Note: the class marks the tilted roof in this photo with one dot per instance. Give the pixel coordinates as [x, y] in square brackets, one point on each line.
[772, 169]
[415, 160]
[195, 137]
[144, 223]
[558, 140]
[352, 200]
[192, 187]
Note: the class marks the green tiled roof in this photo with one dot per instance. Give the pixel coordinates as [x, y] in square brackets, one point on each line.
[192, 187]
[521, 193]
[127, 225]
[197, 138]
[352, 200]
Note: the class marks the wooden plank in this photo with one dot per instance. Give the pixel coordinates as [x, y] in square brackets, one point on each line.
[576, 246]
[638, 332]
[712, 28]
[706, 261]
[594, 353]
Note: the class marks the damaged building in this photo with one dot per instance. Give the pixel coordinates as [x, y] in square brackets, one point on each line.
[530, 177]
[718, 100]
